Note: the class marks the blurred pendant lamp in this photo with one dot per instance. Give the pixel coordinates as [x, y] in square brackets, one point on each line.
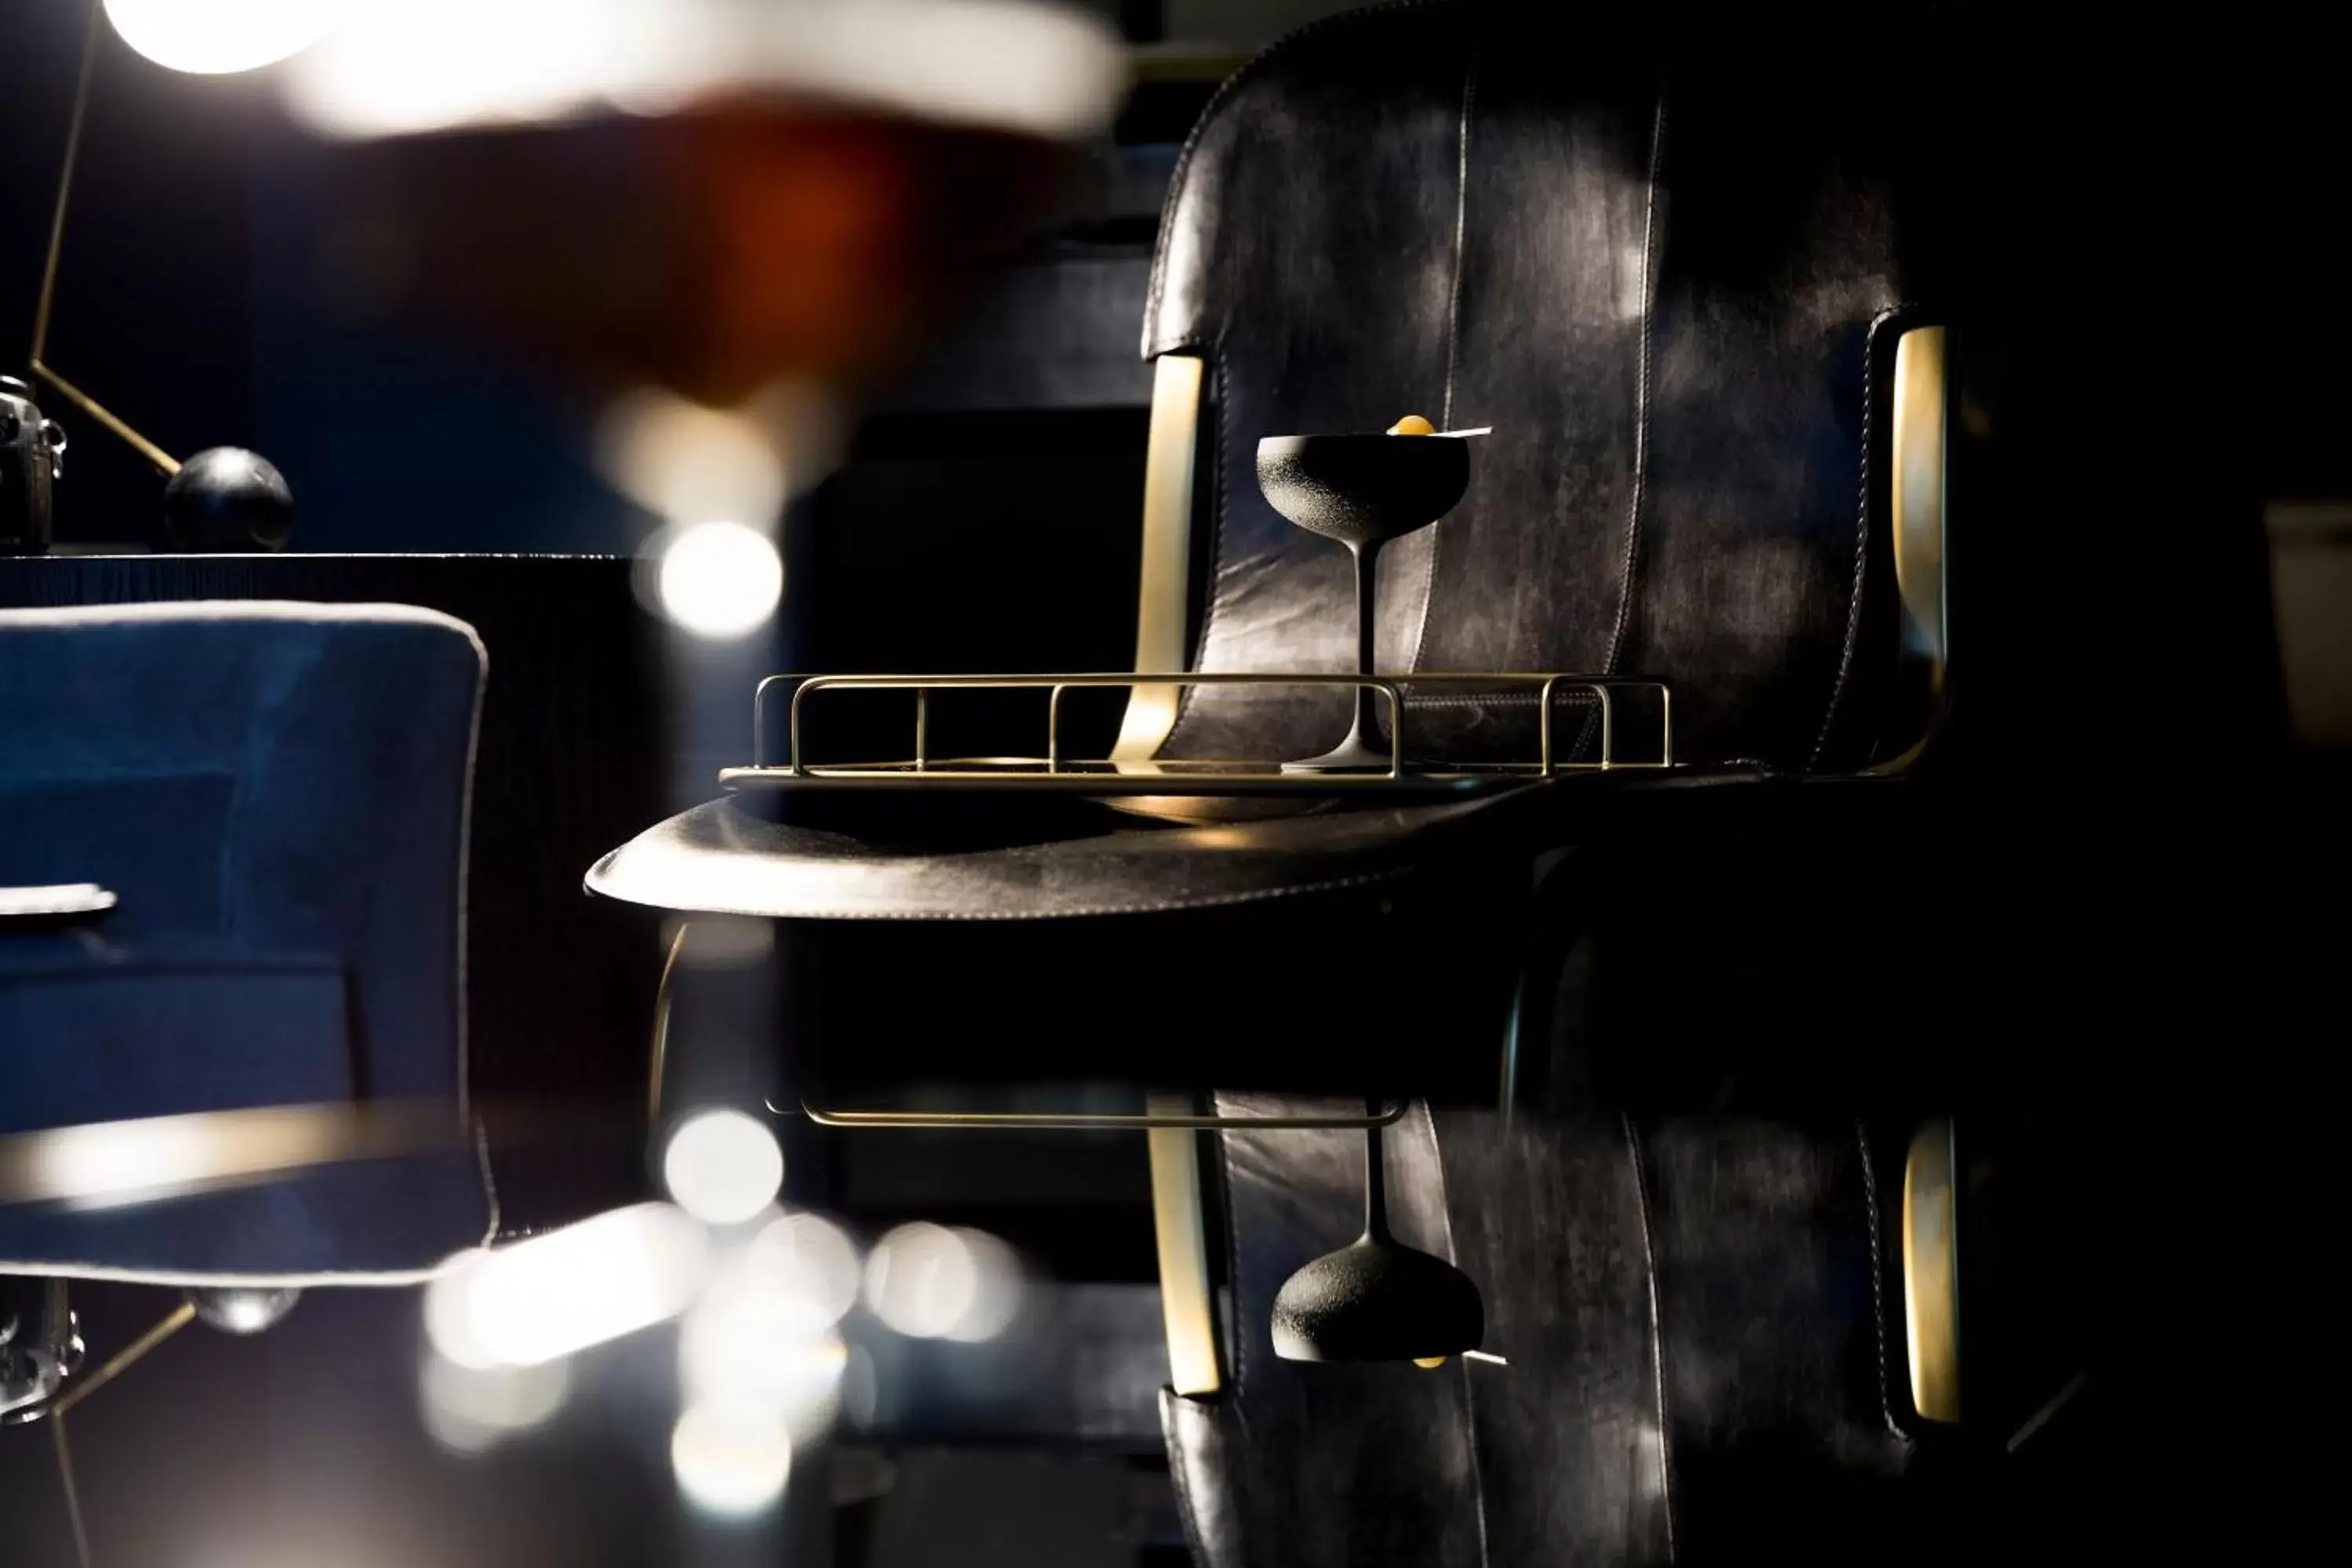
[224, 497]
[1377, 1299]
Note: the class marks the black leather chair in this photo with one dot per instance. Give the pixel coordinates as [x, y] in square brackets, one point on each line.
[1703, 276]
[1678, 277]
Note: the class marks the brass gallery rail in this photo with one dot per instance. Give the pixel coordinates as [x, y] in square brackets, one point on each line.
[1055, 770]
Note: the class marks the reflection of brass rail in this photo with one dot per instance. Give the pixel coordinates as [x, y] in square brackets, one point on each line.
[1082, 1122]
[1054, 765]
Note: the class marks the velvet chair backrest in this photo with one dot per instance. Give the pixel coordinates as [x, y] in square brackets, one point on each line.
[277, 795]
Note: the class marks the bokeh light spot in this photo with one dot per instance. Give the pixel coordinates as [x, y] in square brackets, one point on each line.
[731, 1458]
[720, 580]
[722, 1166]
[933, 1281]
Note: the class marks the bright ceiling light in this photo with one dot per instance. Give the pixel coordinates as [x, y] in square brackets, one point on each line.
[730, 1457]
[720, 580]
[722, 1166]
[215, 37]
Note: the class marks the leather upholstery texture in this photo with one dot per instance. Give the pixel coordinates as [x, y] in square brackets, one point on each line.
[1664, 275]
[1668, 267]
[1695, 1322]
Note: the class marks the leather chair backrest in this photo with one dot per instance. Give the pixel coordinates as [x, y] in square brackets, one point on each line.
[1662, 266]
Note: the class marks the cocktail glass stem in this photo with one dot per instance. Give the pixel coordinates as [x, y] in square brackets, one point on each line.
[1367, 601]
[1361, 750]
[1375, 1182]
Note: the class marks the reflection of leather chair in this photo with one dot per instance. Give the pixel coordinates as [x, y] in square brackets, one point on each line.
[276, 795]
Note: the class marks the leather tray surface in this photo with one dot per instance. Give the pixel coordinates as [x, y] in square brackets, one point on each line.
[721, 858]
[1005, 858]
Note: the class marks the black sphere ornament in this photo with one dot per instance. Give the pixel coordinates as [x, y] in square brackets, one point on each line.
[226, 499]
[1377, 1299]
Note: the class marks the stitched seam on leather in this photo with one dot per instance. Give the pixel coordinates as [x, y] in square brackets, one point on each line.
[1233, 1262]
[1503, 700]
[1452, 325]
[1218, 102]
[1631, 561]
[1657, 1331]
[1462, 1364]
[1295, 888]
[1861, 532]
[1461, 228]
[1877, 1275]
[1640, 389]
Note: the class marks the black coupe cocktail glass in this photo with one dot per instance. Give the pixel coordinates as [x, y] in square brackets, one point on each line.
[1362, 490]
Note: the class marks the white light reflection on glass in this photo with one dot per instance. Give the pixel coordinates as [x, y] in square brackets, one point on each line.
[744, 1349]
[214, 38]
[931, 1282]
[811, 1260]
[468, 1409]
[731, 1458]
[562, 1292]
[720, 580]
[722, 1166]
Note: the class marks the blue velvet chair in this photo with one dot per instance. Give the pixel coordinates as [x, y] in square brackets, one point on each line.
[276, 795]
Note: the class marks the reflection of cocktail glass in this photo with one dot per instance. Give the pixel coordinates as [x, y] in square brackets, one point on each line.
[1362, 490]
